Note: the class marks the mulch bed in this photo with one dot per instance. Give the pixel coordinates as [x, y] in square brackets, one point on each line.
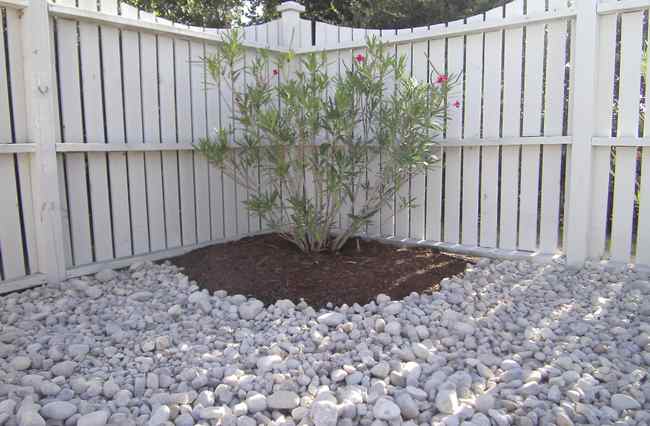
[269, 268]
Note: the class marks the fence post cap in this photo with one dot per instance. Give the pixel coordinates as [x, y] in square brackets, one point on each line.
[290, 6]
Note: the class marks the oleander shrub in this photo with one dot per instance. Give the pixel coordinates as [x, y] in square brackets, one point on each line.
[300, 138]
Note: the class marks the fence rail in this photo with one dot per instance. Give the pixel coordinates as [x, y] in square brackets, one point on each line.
[99, 111]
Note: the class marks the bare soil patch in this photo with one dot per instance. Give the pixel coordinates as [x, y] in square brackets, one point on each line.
[269, 268]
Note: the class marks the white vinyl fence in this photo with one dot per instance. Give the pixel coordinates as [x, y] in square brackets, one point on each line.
[100, 105]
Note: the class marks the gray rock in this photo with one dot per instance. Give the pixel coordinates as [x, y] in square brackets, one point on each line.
[105, 275]
[283, 400]
[331, 319]
[562, 419]
[184, 420]
[159, 416]
[621, 402]
[385, 409]
[394, 328]
[21, 363]
[381, 370]
[30, 418]
[324, 413]
[408, 406]
[392, 308]
[485, 403]
[256, 403]
[96, 418]
[249, 310]
[65, 368]
[58, 410]
[447, 400]
[285, 306]
[78, 350]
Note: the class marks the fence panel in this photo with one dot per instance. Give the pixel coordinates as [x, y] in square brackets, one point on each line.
[132, 99]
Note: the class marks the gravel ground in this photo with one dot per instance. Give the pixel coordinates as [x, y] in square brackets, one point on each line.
[507, 344]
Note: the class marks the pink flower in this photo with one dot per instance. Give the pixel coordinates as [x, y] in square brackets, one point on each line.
[442, 78]
[456, 104]
[276, 71]
[360, 58]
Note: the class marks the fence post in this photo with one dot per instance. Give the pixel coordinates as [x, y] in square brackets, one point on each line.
[41, 128]
[290, 29]
[583, 129]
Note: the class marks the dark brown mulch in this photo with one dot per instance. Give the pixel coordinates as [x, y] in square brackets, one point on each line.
[270, 268]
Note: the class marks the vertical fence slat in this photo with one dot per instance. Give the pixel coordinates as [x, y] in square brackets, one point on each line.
[643, 226]
[402, 214]
[169, 134]
[643, 236]
[628, 122]
[29, 221]
[115, 132]
[16, 68]
[151, 133]
[263, 37]
[213, 107]
[529, 190]
[601, 155]
[624, 193]
[345, 62]
[199, 131]
[133, 121]
[360, 194]
[254, 221]
[229, 187]
[434, 176]
[241, 192]
[10, 236]
[418, 182]
[511, 127]
[453, 158]
[184, 102]
[5, 114]
[491, 129]
[472, 155]
[553, 125]
[550, 198]
[71, 116]
[65, 216]
[94, 126]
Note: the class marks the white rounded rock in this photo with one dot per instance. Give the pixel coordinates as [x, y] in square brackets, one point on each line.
[65, 368]
[30, 418]
[385, 409]
[621, 402]
[381, 370]
[96, 418]
[394, 328]
[447, 400]
[283, 400]
[21, 363]
[105, 275]
[58, 410]
[324, 413]
[249, 310]
[331, 319]
[256, 403]
[159, 416]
